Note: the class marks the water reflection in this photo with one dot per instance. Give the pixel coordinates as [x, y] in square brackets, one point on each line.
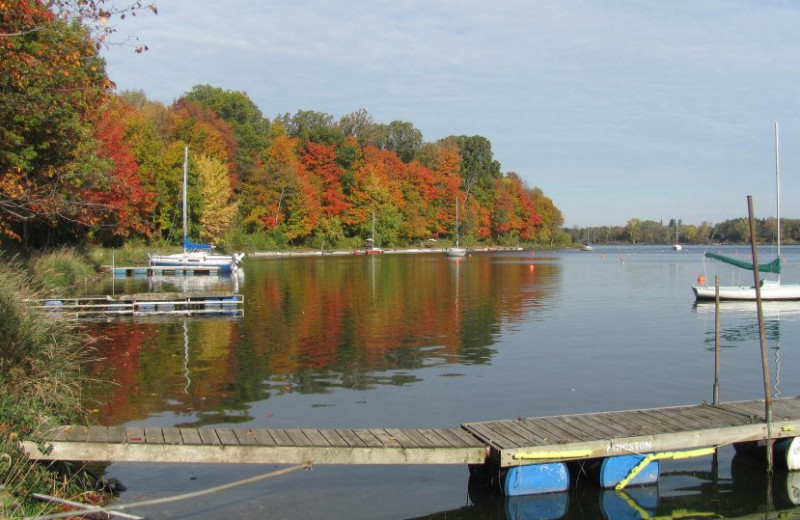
[679, 494]
[312, 325]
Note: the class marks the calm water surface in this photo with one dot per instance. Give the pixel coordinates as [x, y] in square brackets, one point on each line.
[426, 341]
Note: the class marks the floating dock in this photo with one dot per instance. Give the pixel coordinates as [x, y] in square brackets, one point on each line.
[503, 446]
[123, 272]
[144, 304]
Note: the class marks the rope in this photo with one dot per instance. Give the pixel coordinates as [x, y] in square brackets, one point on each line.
[176, 498]
[675, 455]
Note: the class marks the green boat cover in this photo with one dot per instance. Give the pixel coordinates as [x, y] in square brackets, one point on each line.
[772, 267]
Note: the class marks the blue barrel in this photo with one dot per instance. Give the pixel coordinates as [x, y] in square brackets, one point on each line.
[534, 479]
[611, 470]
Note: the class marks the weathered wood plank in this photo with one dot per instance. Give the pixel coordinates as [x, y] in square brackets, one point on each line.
[368, 438]
[97, 434]
[487, 433]
[191, 436]
[78, 434]
[281, 437]
[400, 436]
[263, 437]
[226, 436]
[115, 434]
[315, 437]
[209, 436]
[134, 435]
[245, 437]
[172, 435]
[298, 437]
[386, 439]
[349, 437]
[333, 438]
[153, 435]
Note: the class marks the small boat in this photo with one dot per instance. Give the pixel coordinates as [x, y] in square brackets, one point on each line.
[586, 247]
[770, 290]
[194, 254]
[456, 251]
[677, 246]
[371, 248]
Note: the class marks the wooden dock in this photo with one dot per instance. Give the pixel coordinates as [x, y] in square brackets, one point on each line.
[144, 304]
[122, 272]
[507, 443]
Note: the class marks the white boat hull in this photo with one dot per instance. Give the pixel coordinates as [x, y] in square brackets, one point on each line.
[455, 252]
[225, 263]
[770, 291]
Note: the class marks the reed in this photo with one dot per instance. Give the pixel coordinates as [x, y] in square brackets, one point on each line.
[40, 383]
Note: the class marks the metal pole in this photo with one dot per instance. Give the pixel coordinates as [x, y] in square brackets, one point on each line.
[716, 340]
[762, 334]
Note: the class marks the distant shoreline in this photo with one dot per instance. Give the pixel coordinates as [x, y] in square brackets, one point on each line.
[351, 252]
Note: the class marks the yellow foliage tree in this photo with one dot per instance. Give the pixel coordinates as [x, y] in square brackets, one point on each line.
[218, 209]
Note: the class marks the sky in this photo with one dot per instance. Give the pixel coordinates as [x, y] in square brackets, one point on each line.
[618, 109]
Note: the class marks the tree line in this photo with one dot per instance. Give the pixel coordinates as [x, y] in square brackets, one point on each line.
[732, 231]
[79, 162]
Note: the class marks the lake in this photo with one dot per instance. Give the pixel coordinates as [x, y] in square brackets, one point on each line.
[426, 341]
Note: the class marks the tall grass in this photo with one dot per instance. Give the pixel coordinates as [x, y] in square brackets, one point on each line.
[61, 268]
[40, 383]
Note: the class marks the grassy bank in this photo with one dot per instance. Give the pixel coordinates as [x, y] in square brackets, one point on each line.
[40, 383]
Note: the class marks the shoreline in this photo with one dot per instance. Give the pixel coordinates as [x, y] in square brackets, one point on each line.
[351, 252]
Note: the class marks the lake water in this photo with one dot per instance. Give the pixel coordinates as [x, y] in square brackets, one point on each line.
[427, 341]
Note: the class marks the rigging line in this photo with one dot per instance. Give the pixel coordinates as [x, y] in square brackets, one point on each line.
[185, 496]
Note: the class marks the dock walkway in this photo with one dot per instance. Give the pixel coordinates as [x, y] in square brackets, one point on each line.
[144, 304]
[509, 442]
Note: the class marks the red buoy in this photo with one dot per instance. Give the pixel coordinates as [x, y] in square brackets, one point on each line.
[701, 280]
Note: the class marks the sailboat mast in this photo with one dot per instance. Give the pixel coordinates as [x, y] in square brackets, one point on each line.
[778, 188]
[457, 221]
[185, 191]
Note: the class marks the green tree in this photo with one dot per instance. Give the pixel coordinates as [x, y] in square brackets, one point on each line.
[633, 228]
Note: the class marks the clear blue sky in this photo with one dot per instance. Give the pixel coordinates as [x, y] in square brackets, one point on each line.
[618, 109]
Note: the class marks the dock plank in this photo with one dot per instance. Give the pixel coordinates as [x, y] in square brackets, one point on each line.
[191, 436]
[209, 436]
[245, 437]
[226, 436]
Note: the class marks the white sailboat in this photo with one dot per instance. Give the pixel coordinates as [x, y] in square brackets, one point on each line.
[194, 255]
[771, 290]
[371, 248]
[456, 251]
[677, 246]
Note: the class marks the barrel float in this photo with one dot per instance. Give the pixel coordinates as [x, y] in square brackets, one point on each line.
[787, 453]
[610, 471]
[534, 479]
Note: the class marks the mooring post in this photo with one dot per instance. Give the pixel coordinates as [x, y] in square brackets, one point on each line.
[762, 335]
[716, 341]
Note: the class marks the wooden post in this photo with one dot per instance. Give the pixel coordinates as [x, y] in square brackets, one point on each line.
[716, 341]
[762, 334]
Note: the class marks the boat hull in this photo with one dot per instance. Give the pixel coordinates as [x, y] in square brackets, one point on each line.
[770, 291]
[225, 263]
[455, 252]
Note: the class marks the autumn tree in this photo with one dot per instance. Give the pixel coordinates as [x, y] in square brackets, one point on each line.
[218, 211]
[250, 127]
[52, 84]
[114, 203]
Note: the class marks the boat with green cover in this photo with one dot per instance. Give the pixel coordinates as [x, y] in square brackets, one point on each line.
[769, 289]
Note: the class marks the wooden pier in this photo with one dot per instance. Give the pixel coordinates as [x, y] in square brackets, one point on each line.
[144, 304]
[507, 443]
[122, 272]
